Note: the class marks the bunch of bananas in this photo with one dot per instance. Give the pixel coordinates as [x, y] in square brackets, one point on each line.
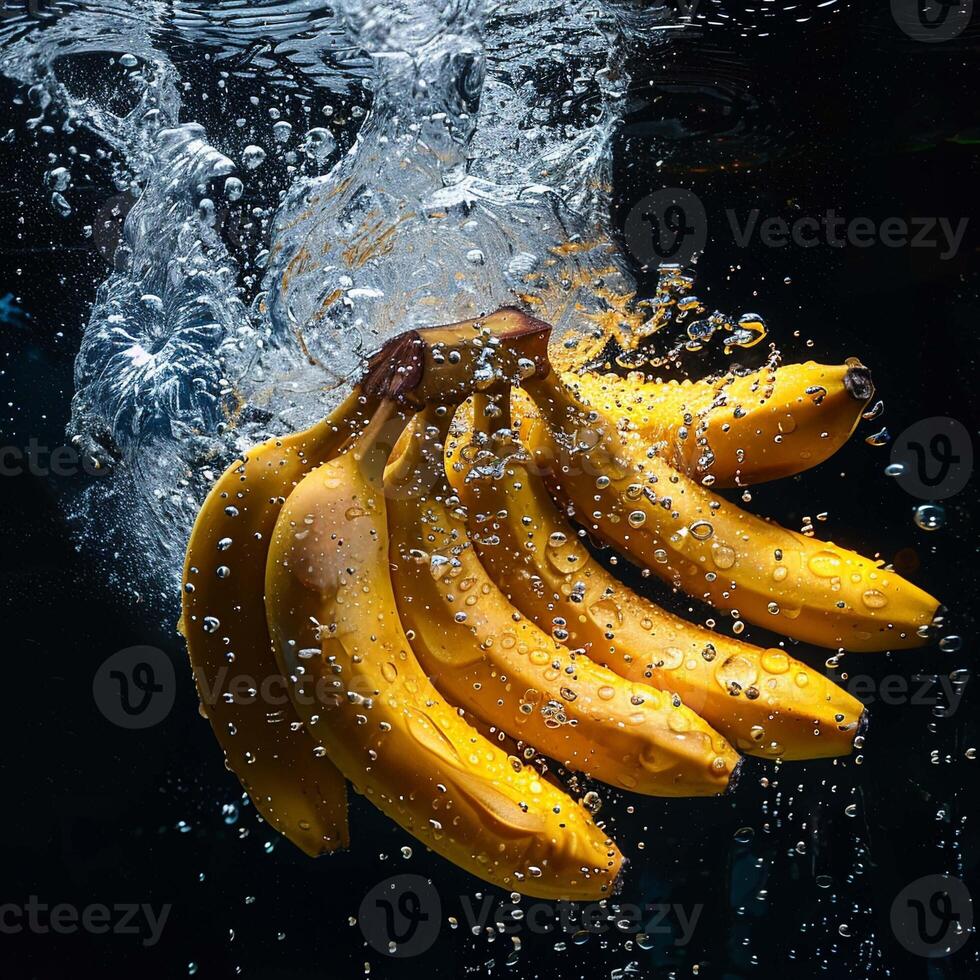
[440, 625]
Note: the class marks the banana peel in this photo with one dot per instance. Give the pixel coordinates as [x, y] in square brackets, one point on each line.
[664, 521]
[764, 702]
[486, 657]
[335, 625]
[297, 791]
[736, 430]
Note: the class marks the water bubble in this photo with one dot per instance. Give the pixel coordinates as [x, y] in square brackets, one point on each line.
[233, 189]
[59, 179]
[874, 599]
[319, 144]
[253, 156]
[522, 265]
[60, 205]
[723, 555]
[929, 517]
[702, 530]
[281, 131]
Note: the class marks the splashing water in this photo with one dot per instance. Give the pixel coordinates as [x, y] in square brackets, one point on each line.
[479, 177]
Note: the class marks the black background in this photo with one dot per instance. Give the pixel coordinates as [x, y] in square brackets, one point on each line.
[843, 111]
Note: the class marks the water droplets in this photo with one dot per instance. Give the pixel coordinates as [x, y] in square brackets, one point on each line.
[281, 132]
[874, 599]
[701, 530]
[722, 555]
[929, 517]
[253, 157]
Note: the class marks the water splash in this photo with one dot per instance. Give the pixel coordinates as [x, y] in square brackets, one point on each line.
[479, 177]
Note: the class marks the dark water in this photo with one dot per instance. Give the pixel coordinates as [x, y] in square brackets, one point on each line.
[844, 112]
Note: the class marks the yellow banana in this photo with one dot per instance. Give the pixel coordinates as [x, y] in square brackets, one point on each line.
[738, 430]
[485, 657]
[223, 616]
[805, 588]
[765, 702]
[223, 620]
[334, 621]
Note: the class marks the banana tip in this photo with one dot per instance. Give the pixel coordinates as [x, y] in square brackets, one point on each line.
[858, 383]
[735, 777]
[616, 885]
[862, 726]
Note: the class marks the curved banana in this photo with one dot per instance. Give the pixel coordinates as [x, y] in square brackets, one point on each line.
[223, 621]
[485, 657]
[805, 588]
[738, 429]
[293, 786]
[334, 621]
[765, 702]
